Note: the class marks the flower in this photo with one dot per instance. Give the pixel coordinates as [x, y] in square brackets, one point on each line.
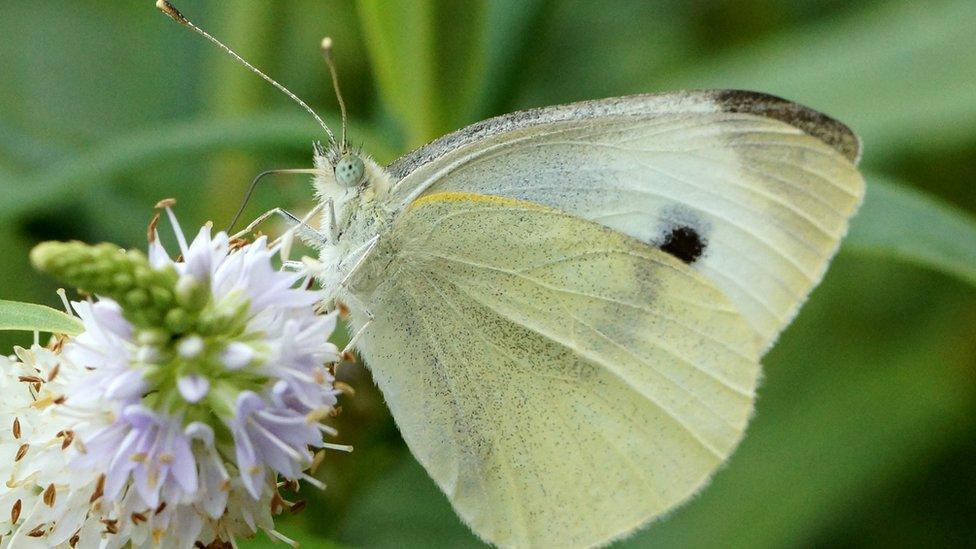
[195, 384]
[45, 502]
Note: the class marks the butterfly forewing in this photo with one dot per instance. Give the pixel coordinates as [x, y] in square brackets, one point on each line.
[752, 191]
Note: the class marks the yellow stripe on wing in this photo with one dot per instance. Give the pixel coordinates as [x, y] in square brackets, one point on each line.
[452, 196]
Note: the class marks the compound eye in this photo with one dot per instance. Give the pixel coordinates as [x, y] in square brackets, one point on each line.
[349, 170]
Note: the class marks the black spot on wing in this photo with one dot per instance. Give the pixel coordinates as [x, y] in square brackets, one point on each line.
[683, 243]
[814, 123]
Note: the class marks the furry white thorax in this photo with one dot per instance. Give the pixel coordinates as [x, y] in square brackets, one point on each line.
[360, 215]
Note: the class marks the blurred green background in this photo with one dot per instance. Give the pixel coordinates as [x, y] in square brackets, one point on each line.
[865, 431]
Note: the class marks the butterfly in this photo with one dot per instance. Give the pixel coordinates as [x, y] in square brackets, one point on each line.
[565, 308]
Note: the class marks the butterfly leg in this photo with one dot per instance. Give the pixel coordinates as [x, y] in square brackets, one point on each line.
[363, 253]
[302, 225]
[355, 338]
[261, 218]
[359, 333]
[333, 225]
[305, 232]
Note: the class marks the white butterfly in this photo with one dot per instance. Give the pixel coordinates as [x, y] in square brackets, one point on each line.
[565, 308]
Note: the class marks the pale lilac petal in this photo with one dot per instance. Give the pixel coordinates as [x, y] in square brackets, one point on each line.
[198, 262]
[237, 355]
[184, 466]
[200, 431]
[193, 387]
[158, 256]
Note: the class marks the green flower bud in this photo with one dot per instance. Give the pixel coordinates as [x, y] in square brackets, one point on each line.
[146, 294]
[152, 336]
[191, 293]
[177, 321]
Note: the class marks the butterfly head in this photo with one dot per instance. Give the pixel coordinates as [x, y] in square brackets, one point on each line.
[344, 172]
[350, 170]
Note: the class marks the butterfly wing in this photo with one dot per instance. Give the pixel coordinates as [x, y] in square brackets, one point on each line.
[753, 191]
[561, 382]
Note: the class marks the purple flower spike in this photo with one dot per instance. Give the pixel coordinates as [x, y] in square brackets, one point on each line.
[182, 428]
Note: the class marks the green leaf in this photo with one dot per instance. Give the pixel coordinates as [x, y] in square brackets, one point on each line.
[891, 70]
[902, 223]
[30, 317]
[183, 139]
[390, 513]
[428, 58]
[512, 34]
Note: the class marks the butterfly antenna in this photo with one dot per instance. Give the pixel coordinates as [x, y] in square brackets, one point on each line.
[254, 185]
[175, 15]
[327, 54]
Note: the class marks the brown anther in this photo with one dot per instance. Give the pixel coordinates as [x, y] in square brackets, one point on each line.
[345, 388]
[54, 372]
[298, 506]
[162, 505]
[30, 379]
[293, 485]
[50, 495]
[21, 452]
[199, 545]
[74, 540]
[69, 436]
[17, 427]
[37, 532]
[151, 231]
[166, 202]
[59, 341]
[61, 399]
[343, 310]
[99, 489]
[111, 526]
[15, 512]
[335, 411]
[137, 518]
[349, 357]
[238, 243]
[277, 504]
[316, 461]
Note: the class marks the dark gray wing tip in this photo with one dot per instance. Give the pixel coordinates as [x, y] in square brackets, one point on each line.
[815, 123]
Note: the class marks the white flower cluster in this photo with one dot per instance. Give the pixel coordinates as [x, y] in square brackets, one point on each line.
[54, 501]
[169, 435]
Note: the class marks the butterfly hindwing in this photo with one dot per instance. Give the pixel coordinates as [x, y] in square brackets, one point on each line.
[752, 191]
[563, 383]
